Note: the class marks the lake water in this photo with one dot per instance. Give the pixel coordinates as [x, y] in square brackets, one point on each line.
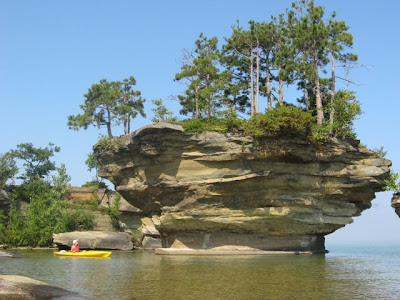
[349, 271]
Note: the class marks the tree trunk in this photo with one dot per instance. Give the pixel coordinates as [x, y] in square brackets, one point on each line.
[109, 124]
[268, 79]
[332, 110]
[209, 99]
[258, 81]
[252, 81]
[320, 112]
[197, 102]
[125, 127]
[280, 86]
[306, 100]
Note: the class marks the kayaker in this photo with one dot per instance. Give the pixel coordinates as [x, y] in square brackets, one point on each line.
[75, 246]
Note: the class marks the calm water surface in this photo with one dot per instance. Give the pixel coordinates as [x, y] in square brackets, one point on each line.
[349, 271]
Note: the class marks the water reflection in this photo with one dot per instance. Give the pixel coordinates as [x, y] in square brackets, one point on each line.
[143, 275]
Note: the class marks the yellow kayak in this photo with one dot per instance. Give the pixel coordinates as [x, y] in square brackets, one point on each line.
[93, 253]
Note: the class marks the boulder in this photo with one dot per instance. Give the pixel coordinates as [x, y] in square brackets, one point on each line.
[21, 287]
[94, 240]
[211, 189]
[150, 243]
[148, 228]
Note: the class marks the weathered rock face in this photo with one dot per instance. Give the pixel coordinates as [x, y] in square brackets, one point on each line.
[211, 190]
[396, 202]
[103, 196]
[94, 240]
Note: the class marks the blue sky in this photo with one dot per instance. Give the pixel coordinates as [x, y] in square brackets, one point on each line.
[52, 51]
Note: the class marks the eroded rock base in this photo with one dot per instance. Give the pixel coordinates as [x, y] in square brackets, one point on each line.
[243, 242]
[172, 251]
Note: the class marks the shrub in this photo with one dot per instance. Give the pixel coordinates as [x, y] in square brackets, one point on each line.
[106, 142]
[95, 184]
[113, 210]
[347, 109]
[79, 220]
[284, 119]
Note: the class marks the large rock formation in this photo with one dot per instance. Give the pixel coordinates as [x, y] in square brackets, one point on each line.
[396, 202]
[94, 240]
[230, 191]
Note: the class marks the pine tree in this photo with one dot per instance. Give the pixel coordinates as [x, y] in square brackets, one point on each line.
[108, 103]
[339, 39]
[241, 45]
[311, 35]
[201, 71]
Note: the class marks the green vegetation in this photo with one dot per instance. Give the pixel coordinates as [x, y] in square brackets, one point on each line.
[108, 104]
[95, 184]
[113, 210]
[38, 207]
[393, 183]
[8, 168]
[106, 142]
[295, 47]
[33, 223]
[302, 47]
[282, 120]
[161, 113]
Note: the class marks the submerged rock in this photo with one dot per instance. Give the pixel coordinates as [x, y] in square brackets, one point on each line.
[5, 254]
[230, 191]
[21, 287]
[106, 240]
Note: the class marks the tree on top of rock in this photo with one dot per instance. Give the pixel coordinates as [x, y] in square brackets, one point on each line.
[107, 104]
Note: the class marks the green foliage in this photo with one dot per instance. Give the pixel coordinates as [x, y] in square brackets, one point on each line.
[79, 220]
[95, 184]
[36, 161]
[380, 152]
[393, 183]
[43, 216]
[8, 168]
[3, 220]
[113, 210]
[108, 143]
[200, 70]
[92, 162]
[346, 109]
[281, 120]
[320, 133]
[161, 113]
[200, 125]
[107, 104]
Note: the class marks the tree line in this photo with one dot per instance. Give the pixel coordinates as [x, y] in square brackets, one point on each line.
[294, 48]
[300, 48]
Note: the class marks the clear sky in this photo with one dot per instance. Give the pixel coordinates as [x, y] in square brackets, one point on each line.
[52, 51]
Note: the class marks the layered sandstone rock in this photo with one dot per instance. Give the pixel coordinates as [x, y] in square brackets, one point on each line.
[396, 202]
[229, 191]
[101, 240]
[104, 197]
